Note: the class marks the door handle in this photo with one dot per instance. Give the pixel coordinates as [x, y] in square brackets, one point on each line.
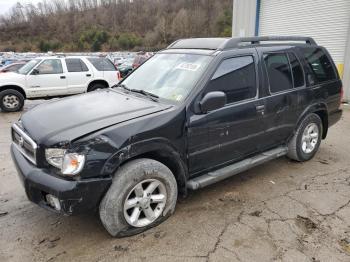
[88, 75]
[62, 77]
[260, 109]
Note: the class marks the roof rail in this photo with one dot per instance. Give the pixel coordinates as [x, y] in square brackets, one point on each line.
[235, 42]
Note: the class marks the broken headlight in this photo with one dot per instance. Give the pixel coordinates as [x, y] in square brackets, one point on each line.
[68, 163]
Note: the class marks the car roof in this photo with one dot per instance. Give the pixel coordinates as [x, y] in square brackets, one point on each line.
[220, 44]
[63, 56]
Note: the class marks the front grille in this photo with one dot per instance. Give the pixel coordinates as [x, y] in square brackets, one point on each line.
[24, 143]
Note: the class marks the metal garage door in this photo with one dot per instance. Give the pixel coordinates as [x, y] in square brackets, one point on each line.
[326, 21]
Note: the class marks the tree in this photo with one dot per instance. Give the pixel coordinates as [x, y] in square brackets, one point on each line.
[92, 25]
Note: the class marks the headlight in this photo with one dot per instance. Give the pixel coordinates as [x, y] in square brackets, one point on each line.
[55, 156]
[68, 163]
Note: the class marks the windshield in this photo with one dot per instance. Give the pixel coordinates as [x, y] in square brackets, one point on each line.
[168, 76]
[28, 66]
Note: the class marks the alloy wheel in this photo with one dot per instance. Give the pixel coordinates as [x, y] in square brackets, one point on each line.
[145, 203]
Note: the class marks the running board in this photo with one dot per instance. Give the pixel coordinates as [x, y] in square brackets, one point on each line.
[228, 171]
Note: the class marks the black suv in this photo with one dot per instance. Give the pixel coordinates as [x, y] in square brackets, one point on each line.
[195, 113]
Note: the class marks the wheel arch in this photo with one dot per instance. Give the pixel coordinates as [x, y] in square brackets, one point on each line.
[14, 87]
[159, 151]
[319, 109]
[97, 81]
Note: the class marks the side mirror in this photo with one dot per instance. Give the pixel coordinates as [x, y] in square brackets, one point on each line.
[212, 101]
[35, 72]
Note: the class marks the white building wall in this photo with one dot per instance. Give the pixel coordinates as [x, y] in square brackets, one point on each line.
[244, 17]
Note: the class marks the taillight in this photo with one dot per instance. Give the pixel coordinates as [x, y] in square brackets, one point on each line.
[119, 76]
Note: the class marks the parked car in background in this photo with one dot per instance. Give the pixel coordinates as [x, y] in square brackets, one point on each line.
[125, 68]
[55, 76]
[140, 58]
[14, 67]
[196, 113]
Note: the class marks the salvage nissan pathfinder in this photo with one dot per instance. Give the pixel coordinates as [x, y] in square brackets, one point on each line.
[196, 113]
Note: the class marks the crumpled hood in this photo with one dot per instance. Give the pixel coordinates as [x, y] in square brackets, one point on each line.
[70, 118]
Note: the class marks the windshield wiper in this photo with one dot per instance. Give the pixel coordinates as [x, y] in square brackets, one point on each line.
[145, 93]
[150, 95]
[121, 85]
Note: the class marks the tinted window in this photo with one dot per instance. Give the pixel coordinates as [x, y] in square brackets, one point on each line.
[236, 78]
[76, 65]
[102, 64]
[279, 72]
[298, 74]
[320, 64]
[50, 66]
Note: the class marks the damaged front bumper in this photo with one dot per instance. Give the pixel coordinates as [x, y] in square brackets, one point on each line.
[74, 196]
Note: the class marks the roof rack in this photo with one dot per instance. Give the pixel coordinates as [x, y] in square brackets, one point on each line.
[229, 43]
[235, 42]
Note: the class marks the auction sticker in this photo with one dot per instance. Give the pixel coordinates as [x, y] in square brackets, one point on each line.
[188, 66]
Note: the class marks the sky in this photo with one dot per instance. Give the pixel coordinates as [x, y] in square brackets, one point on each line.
[5, 5]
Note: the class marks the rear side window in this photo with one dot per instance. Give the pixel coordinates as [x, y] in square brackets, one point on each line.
[236, 78]
[320, 64]
[298, 73]
[76, 65]
[278, 71]
[102, 64]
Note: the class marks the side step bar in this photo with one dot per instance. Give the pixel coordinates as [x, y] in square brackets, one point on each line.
[228, 171]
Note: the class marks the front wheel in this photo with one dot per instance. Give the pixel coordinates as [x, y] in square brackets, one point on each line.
[307, 139]
[143, 194]
[11, 100]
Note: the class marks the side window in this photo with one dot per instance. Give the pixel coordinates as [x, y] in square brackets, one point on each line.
[320, 64]
[236, 77]
[76, 65]
[278, 71]
[298, 73]
[50, 66]
[102, 64]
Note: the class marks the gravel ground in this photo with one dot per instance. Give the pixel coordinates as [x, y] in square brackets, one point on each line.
[280, 211]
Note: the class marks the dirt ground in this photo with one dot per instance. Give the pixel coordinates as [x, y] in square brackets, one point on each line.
[280, 211]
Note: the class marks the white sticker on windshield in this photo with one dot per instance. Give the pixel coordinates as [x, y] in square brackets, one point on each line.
[188, 66]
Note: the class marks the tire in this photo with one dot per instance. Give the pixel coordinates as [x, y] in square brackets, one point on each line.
[11, 100]
[96, 86]
[304, 144]
[117, 217]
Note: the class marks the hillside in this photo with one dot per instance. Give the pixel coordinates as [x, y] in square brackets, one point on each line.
[109, 25]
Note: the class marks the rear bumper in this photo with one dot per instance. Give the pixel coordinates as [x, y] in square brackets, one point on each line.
[334, 117]
[75, 196]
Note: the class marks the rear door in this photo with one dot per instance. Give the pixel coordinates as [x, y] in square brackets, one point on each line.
[284, 80]
[78, 75]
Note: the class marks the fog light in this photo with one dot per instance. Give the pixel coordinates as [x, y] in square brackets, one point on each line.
[53, 202]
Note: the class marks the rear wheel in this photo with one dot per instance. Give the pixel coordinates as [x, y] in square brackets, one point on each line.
[11, 100]
[143, 194]
[307, 139]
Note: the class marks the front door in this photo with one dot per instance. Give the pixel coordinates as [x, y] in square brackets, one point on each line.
[235, 131]
[47, 79]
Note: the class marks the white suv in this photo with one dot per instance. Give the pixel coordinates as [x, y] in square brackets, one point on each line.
[56, 76]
